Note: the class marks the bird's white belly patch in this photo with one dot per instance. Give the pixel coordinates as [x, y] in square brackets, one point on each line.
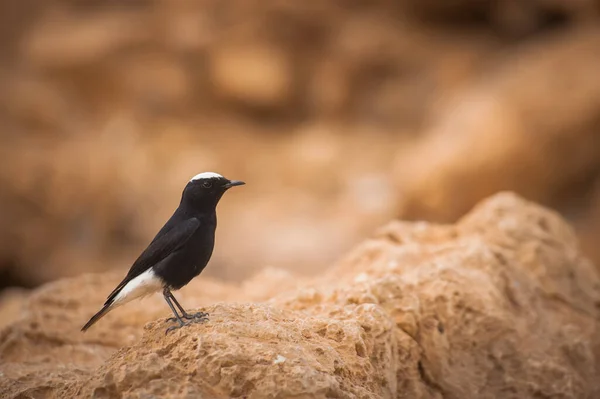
[144, 284]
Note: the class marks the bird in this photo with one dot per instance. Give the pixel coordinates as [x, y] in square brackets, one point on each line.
[178, 253]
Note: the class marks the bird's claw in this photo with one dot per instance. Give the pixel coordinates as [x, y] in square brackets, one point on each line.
[196, 319]
[200, 316]
[175, 327]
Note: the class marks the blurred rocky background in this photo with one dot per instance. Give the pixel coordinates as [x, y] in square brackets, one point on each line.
[340, 115]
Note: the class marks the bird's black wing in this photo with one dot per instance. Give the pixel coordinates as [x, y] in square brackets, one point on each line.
[161, 247]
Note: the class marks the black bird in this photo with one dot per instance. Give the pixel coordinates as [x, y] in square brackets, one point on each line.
[178, 253]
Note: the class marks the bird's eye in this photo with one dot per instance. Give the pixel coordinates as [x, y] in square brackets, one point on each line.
[207, 184]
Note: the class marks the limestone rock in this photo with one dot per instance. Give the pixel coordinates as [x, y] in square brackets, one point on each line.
[12, 301]
[509, 17]
[60, 41]
[255, 76]
[521, 128]
[500, 305]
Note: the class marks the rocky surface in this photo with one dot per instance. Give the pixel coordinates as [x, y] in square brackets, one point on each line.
[500, 305]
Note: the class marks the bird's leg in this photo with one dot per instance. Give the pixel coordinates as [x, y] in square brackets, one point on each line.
[177, 318]
[200, 315]
[169, 298]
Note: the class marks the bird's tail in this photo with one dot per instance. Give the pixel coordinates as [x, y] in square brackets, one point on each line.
[105, 309]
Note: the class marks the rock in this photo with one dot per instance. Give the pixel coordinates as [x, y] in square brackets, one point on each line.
[156, 80]
[49, 108]
[257, 76]
[502, 304]
[521, 129]
[588, 227]
[61, 41]
[12, 301]
[508, 17]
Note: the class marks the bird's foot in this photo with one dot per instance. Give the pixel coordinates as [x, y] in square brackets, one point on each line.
[196, 316]
[182, 324]
[177, 327]
[200, 316]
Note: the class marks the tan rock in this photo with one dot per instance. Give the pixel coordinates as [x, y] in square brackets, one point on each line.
[155, 79]
[529, 126]
[252, 74]
[500, 305]
[60, 40]
[12, 301]
[512, 17]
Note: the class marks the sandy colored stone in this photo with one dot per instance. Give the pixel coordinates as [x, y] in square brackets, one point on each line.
[257, 76]
[12, 301]
[155, 79]
[529, 125]
[60, 41]
[500, 305]
[508, 17]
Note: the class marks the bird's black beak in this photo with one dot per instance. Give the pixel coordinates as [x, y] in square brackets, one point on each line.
[233, 183]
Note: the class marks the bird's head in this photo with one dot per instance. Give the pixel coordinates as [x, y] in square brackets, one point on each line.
[206, 189]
